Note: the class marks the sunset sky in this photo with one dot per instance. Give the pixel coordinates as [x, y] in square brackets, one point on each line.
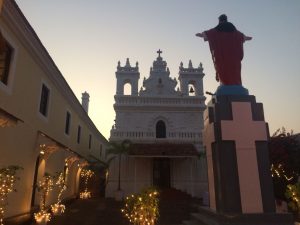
[87, 38]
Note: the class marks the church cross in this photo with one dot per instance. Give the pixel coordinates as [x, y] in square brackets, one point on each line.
[244, 131]
[159, 52]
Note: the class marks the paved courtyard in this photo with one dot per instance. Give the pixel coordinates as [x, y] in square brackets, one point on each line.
[175, 207]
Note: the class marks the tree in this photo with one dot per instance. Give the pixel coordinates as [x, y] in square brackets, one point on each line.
[99, 164]
[44, 187]
[60, 183]
[284, 151]
[119, 149]
[142, 209]
[8, 181]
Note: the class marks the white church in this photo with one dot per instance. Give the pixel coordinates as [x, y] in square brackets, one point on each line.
[164, 122]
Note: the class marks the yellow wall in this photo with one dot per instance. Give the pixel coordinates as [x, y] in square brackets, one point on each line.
[19, 145]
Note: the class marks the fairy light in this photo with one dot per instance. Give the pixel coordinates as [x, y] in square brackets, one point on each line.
[279, 171]
[85, 194]
[44, 187]
[293, 194]
[86, 174]
[42, 149]
[8, 179]
[42, 217]
[142, 208]
[59, 208]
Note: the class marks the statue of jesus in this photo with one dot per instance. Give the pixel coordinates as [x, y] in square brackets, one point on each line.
[226, 46]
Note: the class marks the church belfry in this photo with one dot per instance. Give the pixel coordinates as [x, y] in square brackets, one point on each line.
[164, 126]
[127, 74]
[191, 79]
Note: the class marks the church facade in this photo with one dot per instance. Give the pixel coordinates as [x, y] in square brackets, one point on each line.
[164, 125]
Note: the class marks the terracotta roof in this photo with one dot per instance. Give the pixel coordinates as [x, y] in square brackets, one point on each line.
[163, 149]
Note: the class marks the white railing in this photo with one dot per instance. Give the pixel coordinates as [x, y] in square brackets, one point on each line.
[150, 136]
[139, 100]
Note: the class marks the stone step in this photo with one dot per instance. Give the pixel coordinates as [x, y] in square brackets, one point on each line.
[192, 222]
[175, 206]
[203, 219]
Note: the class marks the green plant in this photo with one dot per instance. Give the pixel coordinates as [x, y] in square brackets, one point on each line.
[142, 209]
[293, 195]
[119, 149]
[103, 164]
[61, 184]
[86, 174]
[284, 152]
[44, 187]
[8, 180]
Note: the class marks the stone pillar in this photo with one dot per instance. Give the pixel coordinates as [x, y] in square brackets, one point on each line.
[236, 140]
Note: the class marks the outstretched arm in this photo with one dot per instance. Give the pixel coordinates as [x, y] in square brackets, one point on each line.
[202, 35]
[246, 38]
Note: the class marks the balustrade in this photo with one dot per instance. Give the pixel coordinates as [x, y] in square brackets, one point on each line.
[143, 136]
[132, 100]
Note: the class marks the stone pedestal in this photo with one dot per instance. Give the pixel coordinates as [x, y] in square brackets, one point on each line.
[235, 137]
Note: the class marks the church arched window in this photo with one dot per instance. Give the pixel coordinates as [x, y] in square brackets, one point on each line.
[127, 89]
[191, 89]
[160, 129]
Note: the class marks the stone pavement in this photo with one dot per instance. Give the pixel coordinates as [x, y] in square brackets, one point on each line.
[95, 211]
[175, 207]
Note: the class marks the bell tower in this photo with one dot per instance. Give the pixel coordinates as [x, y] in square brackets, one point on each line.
[127, 74]
[191, 78]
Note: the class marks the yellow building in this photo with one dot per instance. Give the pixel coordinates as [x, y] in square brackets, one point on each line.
[43, 126]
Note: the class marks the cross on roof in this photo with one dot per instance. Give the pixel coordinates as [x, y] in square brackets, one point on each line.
[159, 52]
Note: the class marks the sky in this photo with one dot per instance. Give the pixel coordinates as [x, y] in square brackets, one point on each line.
[87, 38]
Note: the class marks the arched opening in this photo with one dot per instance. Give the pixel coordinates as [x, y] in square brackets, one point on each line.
[191, 89]
[127, 89]
[38, 172]
[160, 129]
[72, 179]
[38, 176]
[77, 181]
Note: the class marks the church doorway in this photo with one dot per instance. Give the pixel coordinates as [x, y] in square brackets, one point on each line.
[161, 173]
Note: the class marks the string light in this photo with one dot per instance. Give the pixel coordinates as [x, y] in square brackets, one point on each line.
[278, 171]
[86, 174]
[42, 217]
[8, 179]
[59, 208]
[143, 208]
[43, 148]
[44, 187]
[293, 193]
